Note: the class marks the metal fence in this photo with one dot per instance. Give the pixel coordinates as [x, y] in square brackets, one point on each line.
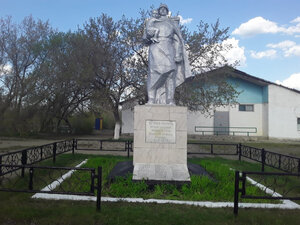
[286, 183]
[275, 160]
[201, 148]
[211, 130]
[17, 172]
[33, 155]
[52, 180]
[104, 145]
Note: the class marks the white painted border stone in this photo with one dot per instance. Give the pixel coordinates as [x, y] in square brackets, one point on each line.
[163, 201]
[57, 182]
[287, 204]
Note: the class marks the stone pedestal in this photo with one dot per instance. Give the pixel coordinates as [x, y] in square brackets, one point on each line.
[160, 143]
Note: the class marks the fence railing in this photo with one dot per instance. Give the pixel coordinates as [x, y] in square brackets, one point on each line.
[202, 148]
[212, 130]
[104, 145]
[275, 160]
[269, 185]
[20, 163]
[33, 155]
[53, 180]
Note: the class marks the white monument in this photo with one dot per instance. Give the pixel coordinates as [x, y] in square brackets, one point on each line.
[160, 127]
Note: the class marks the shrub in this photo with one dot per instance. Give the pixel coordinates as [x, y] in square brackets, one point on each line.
[83, 123]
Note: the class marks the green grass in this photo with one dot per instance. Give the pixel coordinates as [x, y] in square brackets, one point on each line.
[201, 188]
[19, 208]
[42, 212]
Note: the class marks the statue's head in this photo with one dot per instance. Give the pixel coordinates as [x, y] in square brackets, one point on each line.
[163, 10]
[155, 13]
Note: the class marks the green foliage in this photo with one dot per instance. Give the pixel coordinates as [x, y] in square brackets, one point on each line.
[108, 120]
[83, 123]
[25, 125]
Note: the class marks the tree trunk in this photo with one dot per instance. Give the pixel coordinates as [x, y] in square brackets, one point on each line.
[117, 130]
[117, 124]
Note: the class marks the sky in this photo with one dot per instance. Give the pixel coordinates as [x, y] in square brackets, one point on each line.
[265, 34]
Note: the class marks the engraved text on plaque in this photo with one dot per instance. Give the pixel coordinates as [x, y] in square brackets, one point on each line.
[160, 131]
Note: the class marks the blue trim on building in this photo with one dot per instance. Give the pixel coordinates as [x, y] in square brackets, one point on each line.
[249, 92]
[265, 94]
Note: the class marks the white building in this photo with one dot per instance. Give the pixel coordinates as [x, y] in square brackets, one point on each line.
[265, 109]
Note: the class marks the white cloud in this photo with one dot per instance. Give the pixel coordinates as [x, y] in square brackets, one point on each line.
[289, 48]
[260, 25]
[233, 54]
[236, 53]
[282, 45]
[271, 53]
[293, 51]
[292, 82]
[296, 20]
[257, 25]
[185, 21]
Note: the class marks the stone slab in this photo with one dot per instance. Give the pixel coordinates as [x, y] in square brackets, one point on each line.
[160, 143]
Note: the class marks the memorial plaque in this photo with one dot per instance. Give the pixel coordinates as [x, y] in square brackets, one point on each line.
[160, 131]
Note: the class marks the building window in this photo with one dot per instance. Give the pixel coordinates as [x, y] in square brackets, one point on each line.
[246, 108]
[298, 124]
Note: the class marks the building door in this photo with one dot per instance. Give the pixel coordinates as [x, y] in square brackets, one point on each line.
[221, 123]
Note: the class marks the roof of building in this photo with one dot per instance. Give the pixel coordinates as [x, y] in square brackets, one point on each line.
[227, 70]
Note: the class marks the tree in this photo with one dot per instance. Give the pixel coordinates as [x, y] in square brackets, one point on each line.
[63, 84]
[120, 62]
[111, 59]
[208, 89]
[21, 51]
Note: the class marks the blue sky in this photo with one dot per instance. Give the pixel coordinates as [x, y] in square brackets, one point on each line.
[265, 33]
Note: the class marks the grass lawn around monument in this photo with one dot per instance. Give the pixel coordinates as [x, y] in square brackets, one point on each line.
[202, 188]
[219, 188]
[19, 208]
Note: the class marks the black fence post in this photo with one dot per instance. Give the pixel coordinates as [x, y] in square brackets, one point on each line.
[54, 152]
[0, 167]
[99, 187]
[263, 159]
[243, 183]
[299, 166]
[93, 181]
[30, 179]
[73, 146]
[236, 193]
[128, 148]
[211, 149]
[279, 162]
[100, 144]
[23, 161]
[240, 151]
[41, 153]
